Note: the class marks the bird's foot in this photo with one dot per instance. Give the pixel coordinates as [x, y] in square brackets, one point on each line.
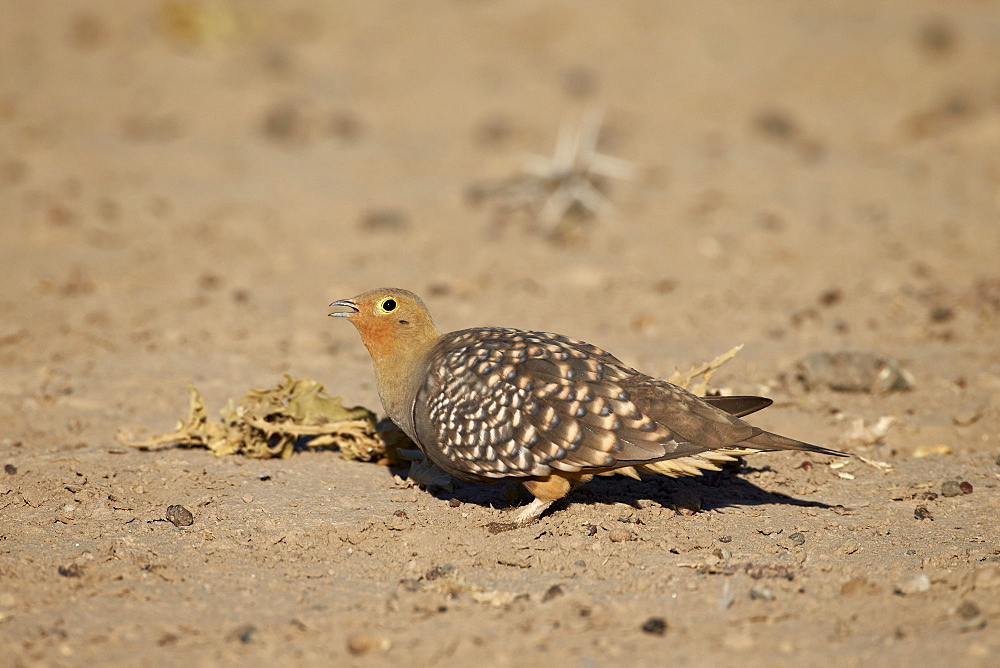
[528, 515]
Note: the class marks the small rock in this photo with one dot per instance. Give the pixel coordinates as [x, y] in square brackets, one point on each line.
[965, 486]
[941, 314]
[761, 592]
[725, 539]
[438, 572]
[965, 418]
[552, 592]
[363, 643]
[248, 498]
[921, 513]
[797, 538]
[970, 617]
[245, 634]
[399, 513]
[831, 297]
[918, 584]
[951, 488]
[621, 535]
[655, 626]
[967, 610]
[10, 469]
[179, 516]
[454, 503]
[70, 571]
[850, 547]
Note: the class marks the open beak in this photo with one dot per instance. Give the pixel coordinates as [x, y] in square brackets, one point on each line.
[344, 303]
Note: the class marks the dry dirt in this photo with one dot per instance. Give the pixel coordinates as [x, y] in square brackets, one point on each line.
[185, 186]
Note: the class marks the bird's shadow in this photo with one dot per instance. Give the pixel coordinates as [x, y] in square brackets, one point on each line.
[710, 491]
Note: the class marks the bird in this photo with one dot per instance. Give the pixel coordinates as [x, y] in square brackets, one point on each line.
[491, 404]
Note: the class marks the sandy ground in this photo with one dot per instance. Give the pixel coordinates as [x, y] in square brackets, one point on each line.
[185, 186]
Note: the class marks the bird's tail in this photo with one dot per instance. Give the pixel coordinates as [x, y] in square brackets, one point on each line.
[766, 441]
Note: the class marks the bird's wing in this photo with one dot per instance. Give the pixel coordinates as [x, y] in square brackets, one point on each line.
[502, 403]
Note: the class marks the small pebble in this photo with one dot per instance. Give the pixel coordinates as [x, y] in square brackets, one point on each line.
[10, 469]
[761, 592]
[179, 516]
[831, 297]
[918, 584]
[967, 610]
[552, 592]
[621, 535]
[655, 626]
[971, 618]
[965, 486]
[941, 314]
[725, 539]
[997, 460]
[400, 513]
[797, 538]
[951, 488]
[246, 634]
[921, 513]
[363, 643]
[70, 571]
[966, 418]
[438, 572]
[454, 503]
[248, 498]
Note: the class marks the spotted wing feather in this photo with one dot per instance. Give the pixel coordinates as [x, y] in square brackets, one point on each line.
[505, 403]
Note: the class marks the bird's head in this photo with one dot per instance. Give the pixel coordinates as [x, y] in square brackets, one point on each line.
[391, 321]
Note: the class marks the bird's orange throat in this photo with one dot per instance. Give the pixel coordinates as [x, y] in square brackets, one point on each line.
[394, 351]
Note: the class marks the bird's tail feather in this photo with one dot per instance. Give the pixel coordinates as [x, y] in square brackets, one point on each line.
[765, 440]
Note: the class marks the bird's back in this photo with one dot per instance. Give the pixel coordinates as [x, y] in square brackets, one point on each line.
[505, 403]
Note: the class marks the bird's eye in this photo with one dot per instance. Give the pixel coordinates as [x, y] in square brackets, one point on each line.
[387, 305]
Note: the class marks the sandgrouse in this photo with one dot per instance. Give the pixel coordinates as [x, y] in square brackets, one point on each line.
[491, 403]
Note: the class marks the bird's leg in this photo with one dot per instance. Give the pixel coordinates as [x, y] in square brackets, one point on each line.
[531, 512]
[546, 491]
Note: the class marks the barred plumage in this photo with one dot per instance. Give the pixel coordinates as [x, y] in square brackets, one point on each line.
[492, 403]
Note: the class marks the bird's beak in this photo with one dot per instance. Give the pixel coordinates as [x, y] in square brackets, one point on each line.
[344, 303]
